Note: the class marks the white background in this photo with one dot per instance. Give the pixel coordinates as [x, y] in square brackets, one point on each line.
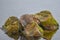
[20, 7]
